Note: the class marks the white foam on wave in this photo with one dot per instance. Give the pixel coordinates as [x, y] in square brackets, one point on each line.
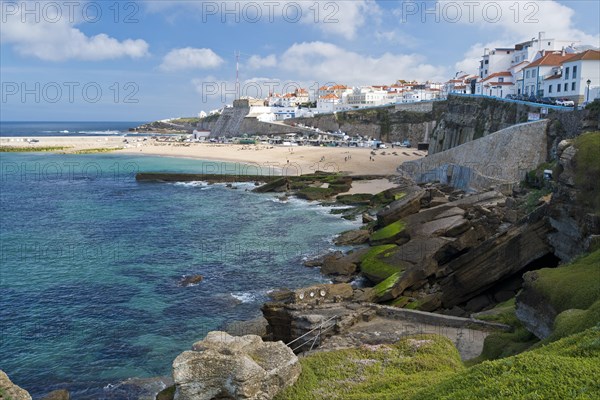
[194, 184]
[251, 297]
[107, 132]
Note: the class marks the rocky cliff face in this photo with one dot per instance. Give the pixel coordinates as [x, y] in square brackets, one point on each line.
[470, 118]
[9, 390]
[390, 124]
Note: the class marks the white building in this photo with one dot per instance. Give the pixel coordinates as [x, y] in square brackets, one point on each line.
[498, 84]
[367, 96]
[570, 81]
[544, 66]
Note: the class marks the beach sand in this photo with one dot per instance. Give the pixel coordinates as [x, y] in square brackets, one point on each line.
[292, 160]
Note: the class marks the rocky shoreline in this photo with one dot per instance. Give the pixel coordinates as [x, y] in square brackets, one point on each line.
[431, 259]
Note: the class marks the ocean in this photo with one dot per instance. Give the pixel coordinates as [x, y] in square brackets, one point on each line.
[92, 263]
[66, 128]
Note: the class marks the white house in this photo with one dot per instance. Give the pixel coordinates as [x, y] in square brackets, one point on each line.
[498, 84]
[542, 67]
[327, 103]
[576, 72]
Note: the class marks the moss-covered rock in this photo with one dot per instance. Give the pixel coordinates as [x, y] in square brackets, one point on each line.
[383, 291]
[388, 234]
[375, 263]
[587, 169]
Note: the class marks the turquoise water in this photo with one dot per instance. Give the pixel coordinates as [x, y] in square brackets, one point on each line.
[92, 261]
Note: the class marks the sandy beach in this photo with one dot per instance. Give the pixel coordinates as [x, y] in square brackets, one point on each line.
[293, 160]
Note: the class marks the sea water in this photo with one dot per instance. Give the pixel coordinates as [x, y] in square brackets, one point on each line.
[92, 263]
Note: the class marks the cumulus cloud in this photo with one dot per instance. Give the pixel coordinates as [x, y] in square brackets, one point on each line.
[338, 18]
[60, 40]
[190, 58]
[257, 62]
[327, 62]
[518, 21]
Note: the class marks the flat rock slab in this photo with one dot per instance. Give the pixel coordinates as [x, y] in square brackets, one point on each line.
[469, 342]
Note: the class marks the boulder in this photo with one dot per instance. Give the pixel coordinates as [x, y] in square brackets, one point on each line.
[191, 280]
[533, 309]
[351, 238]
[61, 394]
[407, 205]
[10, 390]
[227, 367]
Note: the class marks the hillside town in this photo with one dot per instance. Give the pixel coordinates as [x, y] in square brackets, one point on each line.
[542, 70]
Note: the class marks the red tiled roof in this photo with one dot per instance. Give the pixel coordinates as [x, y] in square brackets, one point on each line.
[497, 74]
[550, 60]
[338, 87]
[586, 55]
[330, 96]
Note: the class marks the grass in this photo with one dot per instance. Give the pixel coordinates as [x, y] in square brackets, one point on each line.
[388, 232]
[375, 266]
[16, 149]
[587, 169]
[94, 151]
[428, 367]
[504, 344]
[576, 285]
[377, 372]
[566, 369]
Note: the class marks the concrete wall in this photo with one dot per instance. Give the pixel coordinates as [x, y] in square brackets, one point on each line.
[421, 106]
[501, 158]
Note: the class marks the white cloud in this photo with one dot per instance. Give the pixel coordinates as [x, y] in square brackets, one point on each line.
[326, 62]
[60, 40]
[519, 21]
[257, 62]
[339, 18]
[190, 58]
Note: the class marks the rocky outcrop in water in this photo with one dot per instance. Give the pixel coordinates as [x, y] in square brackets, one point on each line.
[234, 367]
[10, 391]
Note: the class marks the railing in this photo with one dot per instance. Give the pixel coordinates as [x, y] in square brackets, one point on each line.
[525, 102]
[321, 328]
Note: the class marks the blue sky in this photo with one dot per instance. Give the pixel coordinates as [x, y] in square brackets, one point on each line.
[150, 60]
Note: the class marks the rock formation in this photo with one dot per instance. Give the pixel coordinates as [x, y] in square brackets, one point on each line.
[234, 367]
[10, 391]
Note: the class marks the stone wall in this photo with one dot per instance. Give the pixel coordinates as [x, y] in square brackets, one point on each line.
[500, 158]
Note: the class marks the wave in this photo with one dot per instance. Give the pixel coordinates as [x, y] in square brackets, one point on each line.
[107, 132]
[251, 297]
[201, 184]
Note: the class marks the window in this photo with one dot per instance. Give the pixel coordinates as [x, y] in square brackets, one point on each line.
[527, 74]
[566, 87]
[501, 79]
[533, 73]
[550, 89]
[573, 86]
[548, 43]
[567, 73]
[558, 88]
[574, 71]
[487, 61]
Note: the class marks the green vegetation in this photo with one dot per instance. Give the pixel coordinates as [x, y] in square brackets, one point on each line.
[566, 369]
[353, 199]
[15, 149]
[376, 372]
[375, 266]
[94, 151]
[576, 285]
[388, 232]
[386, 197]
[383, 288]
[428, 367]
[181, 121]
[504, 344]
[314, 193]
[587, 169]
[534, 198]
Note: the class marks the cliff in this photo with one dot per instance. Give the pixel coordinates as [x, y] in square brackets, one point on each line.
[414, 122]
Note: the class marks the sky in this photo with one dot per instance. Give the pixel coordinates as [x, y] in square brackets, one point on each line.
[148, 60]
